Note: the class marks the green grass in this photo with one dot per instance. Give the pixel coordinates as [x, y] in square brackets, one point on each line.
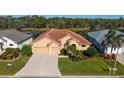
[90, 66]
[16, 66]
[46, 29]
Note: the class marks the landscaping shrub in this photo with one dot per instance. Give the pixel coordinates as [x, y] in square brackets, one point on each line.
[107, 56]
[10, 50]
[63, 52]
[73, 53]
[76, 56]
[90, 52]
[102, 55]
[26, 50]
[113, 56]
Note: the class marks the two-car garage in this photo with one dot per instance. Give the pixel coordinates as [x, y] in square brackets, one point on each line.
[43, 50]
[46, 50]
[45, 46]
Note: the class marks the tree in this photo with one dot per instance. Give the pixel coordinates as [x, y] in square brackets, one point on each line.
[114, 41]
[78, 55]
[1, 47]
[109, 40]
[74, 54]
[106, 43]
[71, 49]
[112, 37]
[83, 33]
[117, 44]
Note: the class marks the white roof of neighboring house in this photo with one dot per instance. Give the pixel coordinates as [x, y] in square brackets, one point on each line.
[99, 36]
[15, 35]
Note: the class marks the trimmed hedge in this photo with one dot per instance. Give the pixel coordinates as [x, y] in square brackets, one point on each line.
[90, 52]
[26, 50]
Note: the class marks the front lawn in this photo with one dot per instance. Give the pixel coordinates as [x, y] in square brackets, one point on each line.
[7, 69]
[90, 66]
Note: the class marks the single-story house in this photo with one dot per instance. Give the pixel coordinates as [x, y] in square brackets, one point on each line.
[13, 39]
[97, 37]
[53, 41]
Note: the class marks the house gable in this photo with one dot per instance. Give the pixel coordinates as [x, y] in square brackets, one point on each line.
[9, 43]
[64, 39]
[54, 45]
[42, 42]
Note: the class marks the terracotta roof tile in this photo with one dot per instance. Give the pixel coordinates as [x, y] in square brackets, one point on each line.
[57, 34]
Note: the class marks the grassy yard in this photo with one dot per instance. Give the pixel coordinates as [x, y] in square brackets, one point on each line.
[14, 68]
[90, 66]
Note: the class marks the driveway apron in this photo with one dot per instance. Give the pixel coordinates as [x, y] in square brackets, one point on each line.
[40, 65]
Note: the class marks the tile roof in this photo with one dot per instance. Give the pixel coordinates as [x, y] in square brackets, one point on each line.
[14, 35]
[57, 34]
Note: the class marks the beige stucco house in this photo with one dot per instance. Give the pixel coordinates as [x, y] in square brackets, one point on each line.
[53, 41]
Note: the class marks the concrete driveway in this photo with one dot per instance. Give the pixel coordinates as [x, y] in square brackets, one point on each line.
[120, 58]
[40, 66]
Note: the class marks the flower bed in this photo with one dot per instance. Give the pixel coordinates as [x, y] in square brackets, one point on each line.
[10, 54]
[9, 60]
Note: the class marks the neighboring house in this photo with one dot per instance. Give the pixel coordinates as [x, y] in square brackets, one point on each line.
[97, 37]
[13, 39]
[53, 41]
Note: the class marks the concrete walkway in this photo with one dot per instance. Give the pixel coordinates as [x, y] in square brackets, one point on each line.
[40, 66]
[120, 58]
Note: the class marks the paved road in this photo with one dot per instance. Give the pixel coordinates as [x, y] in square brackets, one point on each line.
[40, 66]
[120, 58]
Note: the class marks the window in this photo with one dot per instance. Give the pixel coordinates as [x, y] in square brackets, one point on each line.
[10, 44]
[82, 45]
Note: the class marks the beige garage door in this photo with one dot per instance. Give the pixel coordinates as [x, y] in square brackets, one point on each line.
[54, 50]
[43, 50]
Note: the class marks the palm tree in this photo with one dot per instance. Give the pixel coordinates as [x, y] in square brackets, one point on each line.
[112, 37]
[78, 55]
[109, 38]
[116, 43]
[1, 46]
[71, 49]
[116, 46]
[113, 40]
[105, 43]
